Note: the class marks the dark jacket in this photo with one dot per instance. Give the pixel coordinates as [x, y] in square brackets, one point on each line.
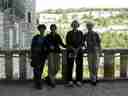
[55, 41]
[39, 50]
[74, 39]
[93, 41]
[39, 45]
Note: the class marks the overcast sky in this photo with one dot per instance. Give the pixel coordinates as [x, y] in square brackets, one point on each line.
[54, 4]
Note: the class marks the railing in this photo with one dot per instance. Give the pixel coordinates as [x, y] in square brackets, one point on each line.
[15, 64]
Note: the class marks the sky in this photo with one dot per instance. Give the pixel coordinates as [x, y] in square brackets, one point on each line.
[64, 4]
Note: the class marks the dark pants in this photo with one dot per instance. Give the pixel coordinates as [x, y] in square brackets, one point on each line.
[38, 70]
[70, 63]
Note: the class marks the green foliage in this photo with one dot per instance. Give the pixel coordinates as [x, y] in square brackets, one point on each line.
[45, 71]
[109, 39]
[114, 40]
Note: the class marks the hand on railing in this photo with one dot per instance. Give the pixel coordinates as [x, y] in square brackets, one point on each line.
[52, 47]
[75, 52]
[99, 50]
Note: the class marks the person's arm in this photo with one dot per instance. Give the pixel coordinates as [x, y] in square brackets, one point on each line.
[60, 41]
[99, 42]
[68, 39]
[82, 40]
[33, 43]
[85, 42]
[32, 50]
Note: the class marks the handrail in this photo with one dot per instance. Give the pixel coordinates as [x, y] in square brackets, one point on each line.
[109, 63]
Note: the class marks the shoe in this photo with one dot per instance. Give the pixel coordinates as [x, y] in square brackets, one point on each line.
[78, 83]
[47, 80]
[94, 83]
[53, 85]
[38, 86]
[70, 84]
[94, 80]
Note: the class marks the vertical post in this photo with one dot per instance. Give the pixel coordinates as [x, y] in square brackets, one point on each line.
[64, 64]
[108, 65]
[30, 69]
[22, 62]
[123, 65]
[8, 65]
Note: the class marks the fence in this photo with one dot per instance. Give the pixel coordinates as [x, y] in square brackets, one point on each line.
[113, 64]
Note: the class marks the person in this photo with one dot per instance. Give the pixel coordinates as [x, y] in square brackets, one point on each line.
[93, 49]
[54, 49]
[38, 55]
[74, 42]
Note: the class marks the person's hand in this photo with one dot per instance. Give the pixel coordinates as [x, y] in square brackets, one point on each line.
[100, 52]
[45, 48]
[52, 47]
[71, 55]
[76, 50]
[83, 48]
[33, 64]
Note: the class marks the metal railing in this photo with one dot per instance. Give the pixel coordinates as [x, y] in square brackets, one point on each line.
[15, 64]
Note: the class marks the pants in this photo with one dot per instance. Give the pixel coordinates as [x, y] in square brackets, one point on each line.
[93, 60]
[53, 66]
[38, 70]
[70, 64]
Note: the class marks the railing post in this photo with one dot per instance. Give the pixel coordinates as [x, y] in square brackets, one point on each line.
[8, 65]
[108, 65]
[22, 62]
[30, 69]
[64, 64]
[123, 65]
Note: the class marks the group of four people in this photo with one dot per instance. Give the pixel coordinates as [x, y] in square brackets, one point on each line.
[42, 46]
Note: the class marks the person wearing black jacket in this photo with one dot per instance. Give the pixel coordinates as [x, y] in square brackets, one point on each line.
[39, 55]
[74, 42]
[93, 49]
[54, 50]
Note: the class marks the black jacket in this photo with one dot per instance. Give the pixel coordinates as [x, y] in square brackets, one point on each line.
[55, 41]
[74, 39]
[39, 45]
[39, 50]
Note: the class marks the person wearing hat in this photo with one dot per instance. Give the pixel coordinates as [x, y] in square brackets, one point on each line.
[93, 41]
[74, 42]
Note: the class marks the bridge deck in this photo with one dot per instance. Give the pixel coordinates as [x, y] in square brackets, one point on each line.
[114, 88]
